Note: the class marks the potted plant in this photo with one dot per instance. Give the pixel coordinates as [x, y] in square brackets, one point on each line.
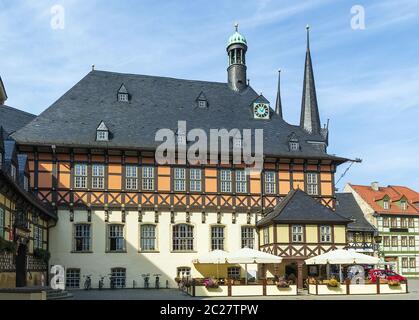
[394, 283]
[7, 246]
[42, 254]
[282, 283]
[211, 284]
[333, 283]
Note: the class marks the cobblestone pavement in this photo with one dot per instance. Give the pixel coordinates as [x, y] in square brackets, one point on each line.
[173, 294]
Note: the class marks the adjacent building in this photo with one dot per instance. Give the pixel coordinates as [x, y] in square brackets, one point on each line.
[362, 236]
[91, 157]
[394, 212]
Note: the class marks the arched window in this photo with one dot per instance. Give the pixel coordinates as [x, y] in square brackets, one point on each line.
[183, 237]
[148, 237]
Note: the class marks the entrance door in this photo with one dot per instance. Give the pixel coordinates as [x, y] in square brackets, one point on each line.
[291, 271]
[21, 266]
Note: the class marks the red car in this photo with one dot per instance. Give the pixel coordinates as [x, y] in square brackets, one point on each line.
[385, 274]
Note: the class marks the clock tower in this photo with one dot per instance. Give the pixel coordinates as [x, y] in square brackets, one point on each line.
[236, 49]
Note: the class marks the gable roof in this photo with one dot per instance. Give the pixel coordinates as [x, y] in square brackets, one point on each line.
[299, 207]
[156, 102]
[12, 119]
[346, 206]
[395, 193]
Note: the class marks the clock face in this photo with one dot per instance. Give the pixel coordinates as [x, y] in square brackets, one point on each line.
[261, 110]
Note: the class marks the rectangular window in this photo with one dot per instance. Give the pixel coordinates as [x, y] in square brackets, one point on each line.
[131, 177]
[266, 236]
[82, 237]
[233, 273]
[72, 279]
[386, 205]
[183, 272]
[386, 241]
[148, 178]
[225, 176]
[294, 146]
[412, 241]
[248, 237]
[80, 176]
[13, 171]
[325, 234]
[217, 238]
[404, 241]
[119, 277]
[412, 263]
[98, 176]
[312, 184]
[394, 241]
[37, 237]
[403, 205]
[386, 222]
[195, 177]
[241, 181]
[123, 97]
[25, 183]
[403, 222]
[148, 237]
[297, 234]
[183, 237]
[405, 262]
[393, 222]
[102, 135]
[180, 179]
[116, 237]
[2, 222]
[270, 182]
[411, 223]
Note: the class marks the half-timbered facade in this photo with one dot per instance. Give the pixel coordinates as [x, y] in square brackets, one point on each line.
[300, 228]
[92, 157]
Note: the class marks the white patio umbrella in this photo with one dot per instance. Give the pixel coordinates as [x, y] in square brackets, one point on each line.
[249, 256]
[212, 257]
[341, 256]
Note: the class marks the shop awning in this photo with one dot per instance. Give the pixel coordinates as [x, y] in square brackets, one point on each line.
[341, 256]
[212, 257]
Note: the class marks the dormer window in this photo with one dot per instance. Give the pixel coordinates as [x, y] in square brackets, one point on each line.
[202, 104]
[202, 101]
[403, 205]
[123, 95]
[386, 204]
[294, 146]
[102, 132]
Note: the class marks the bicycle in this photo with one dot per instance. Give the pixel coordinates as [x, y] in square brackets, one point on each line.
[101, 282]
[88, 282]
[146, 278]
[157, 281]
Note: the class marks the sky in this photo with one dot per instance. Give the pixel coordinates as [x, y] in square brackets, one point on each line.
[367, 78]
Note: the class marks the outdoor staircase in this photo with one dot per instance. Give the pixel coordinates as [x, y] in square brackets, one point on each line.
[57, 294]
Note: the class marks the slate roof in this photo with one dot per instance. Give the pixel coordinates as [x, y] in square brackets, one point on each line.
[12, 119]
[347, 207]
[299, 207]
[156, 102]
[395, 193]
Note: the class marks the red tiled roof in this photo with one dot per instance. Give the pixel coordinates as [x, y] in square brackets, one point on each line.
[395, 193]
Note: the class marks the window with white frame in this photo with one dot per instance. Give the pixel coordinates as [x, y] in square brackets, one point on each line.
[116, 240]
[266, 235]
[297, 233]
[412, 241]
[312, 184]
[80, 176]
[183, 237]
[411, 223]
[248, 237]
[123, 97]
[98, 176]
[386, 205]
[403, 205]
[225, 177]
[412, 263]
[393, 222]
[180, 179]
[13, 171]
[148, 178]
[325, 234]
[233, 273]
[82, 237]
[241, 181]
[131, 177]
[102, 135]
[403, 222]
[404, 241]
[394, 241]
[202, 104]
[148, 237]
[37, 237]
[386, 222]
[72, 279]
[183, 272]
[386, 241]
[195, 180]
[405, 262]
[270, 182]
[2, 223]
[119, 277]
[217, 238]
[294, 146]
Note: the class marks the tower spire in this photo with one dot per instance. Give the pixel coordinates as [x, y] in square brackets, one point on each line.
[278, 106]
[310, 118]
